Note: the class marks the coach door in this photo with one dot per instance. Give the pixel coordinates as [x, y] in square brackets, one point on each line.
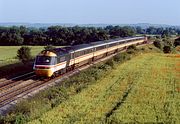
[68, 57]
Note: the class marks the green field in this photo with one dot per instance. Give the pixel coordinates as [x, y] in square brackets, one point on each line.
[8, 53]
[144, 89]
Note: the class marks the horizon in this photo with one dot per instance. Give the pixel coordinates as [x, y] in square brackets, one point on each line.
[39, 24]
[90, 12]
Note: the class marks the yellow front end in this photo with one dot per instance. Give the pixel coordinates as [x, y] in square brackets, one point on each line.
[44, 72]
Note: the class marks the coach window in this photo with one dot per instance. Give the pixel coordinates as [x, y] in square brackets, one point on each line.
[77, 54]
[82, 53]
[100, 48]
[111, 45]
[86, 51]
[72, 55]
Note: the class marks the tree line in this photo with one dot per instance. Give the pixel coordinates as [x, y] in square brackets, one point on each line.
[163, 32]
[58, 35]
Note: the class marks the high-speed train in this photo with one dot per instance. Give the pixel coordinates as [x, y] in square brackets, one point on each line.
[60, 60]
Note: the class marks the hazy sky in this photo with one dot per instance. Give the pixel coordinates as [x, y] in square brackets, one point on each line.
[91, 11]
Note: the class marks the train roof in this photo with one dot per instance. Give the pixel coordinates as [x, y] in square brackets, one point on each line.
[98, 43]
[70, 49]
[82, 46]
[63, 50]
[122, 39]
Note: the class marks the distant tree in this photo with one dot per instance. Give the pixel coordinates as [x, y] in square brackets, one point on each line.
[23, 30]
[139, 30]
[58, 35]
[49, 47]
[159, 31]
[165, 34]
[151, 30]
[24, 54]
[122, 31]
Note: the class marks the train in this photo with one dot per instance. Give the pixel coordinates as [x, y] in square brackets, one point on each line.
[50, 63]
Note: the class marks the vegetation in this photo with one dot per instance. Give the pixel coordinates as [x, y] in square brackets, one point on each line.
[158, 44]
[49, 47]
[167, 45]
[57, 35]
[46, 100]
[131, 49]
[60, 36]
[177, 42]
[167, 49]
[24, 54]
[155, 93]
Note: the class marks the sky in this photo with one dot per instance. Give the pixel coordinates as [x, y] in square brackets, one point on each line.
[91, 11]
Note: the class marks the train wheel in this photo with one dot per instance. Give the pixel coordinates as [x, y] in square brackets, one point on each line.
[54, 75]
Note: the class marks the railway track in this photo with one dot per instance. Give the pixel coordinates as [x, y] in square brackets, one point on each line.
[18, 88]
[7, 81]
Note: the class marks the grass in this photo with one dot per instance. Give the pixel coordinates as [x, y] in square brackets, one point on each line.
[144, 89]
[8, 53]
[155, 97]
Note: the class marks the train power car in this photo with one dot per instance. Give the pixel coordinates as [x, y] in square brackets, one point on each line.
[60, 60]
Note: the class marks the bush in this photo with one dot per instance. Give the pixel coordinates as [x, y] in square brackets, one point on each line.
[177, 43]
[131, 49]
[168, 42]
[158, 44]
[24, 54]
[121, 57]
[8, 119]
[110, 62]
[20, 119]
[178, 48]
[167, 49]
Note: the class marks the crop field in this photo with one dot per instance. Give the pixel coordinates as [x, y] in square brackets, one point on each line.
[8, 53]
[144, 89]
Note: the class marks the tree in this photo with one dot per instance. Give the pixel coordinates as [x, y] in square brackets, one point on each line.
[24, 54]
[177, 42]
[165, 34]
[158, 44]
[168, 42]
[139, 30]
[151, 30]
[49, 47]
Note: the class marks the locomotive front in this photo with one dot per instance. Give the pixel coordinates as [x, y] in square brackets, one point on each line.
[45, 63]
